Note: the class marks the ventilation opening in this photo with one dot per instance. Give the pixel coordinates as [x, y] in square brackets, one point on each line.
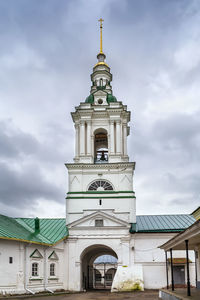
[98, 223]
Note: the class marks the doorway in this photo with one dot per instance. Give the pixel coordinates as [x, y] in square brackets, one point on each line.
[99, 264]
[179, 275]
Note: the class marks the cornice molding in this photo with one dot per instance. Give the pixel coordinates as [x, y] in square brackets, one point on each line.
[100, 166]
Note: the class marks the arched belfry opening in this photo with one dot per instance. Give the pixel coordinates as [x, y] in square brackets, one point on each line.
[99, 264]
[100, 146]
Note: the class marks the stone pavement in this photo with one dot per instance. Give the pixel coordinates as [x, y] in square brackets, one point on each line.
[181, 293]
[104, 295]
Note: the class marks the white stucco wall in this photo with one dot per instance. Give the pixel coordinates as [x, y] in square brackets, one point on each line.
[152, 258]
[16, 277]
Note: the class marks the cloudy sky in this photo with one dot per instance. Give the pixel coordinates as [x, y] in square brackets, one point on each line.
[47, 51]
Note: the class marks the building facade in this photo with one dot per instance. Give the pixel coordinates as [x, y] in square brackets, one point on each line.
[38, 255]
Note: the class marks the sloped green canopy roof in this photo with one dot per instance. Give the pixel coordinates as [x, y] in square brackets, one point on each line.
[162, 223]
[51, 230]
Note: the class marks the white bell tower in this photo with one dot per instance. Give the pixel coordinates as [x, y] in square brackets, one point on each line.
[101, 177]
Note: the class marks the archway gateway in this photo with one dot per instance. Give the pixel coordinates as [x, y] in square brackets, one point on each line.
[97, 276]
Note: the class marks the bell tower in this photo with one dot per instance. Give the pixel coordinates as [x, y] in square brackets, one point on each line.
[101, 177]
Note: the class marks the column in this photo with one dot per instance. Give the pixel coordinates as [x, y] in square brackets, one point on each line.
[166, 269]
[82, 138]
[76, 140]
[112, 137]
[172, 273]
[188, 272]
[89, 137]
[125, 138]
[118, 136]
[197, 263]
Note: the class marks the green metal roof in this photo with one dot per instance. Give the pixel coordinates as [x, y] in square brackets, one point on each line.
[162, 223]
[51, 230]
[109, 98]
[90, 99]
[55, 230]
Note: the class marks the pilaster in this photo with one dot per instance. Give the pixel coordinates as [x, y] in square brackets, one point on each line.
[118, 137]
[89, 137]
[82, 137]
[112, 138]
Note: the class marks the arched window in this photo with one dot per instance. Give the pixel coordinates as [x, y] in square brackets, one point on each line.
[34, 269]
[100, 185]
[52, 269]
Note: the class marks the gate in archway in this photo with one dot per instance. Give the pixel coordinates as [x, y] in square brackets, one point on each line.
[102, 276]
[97, 266]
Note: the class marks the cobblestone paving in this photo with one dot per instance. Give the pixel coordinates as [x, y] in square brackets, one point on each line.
[104, 295]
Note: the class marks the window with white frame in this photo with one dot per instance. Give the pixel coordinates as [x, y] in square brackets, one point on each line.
[52, 269]
[34, 269]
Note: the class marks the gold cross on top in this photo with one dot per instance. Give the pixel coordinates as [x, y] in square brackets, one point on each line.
[101, 21]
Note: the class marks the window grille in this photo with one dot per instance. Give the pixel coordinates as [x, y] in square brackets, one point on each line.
[52, 269]
[105, 185]
[34, 269]
[108, 276]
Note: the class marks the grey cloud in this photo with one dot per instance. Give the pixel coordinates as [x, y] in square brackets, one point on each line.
[179, 132]
[47, 53]
[14, 142]
[22, 188]
[25, 165]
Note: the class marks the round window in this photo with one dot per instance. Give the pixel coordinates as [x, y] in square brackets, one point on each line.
[100, 101]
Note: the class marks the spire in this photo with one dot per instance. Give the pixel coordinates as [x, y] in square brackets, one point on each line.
[101, 56]
[101, 78]
[101, 26]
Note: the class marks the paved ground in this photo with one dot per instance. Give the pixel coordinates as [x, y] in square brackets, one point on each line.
[104, 295]
[182, 293]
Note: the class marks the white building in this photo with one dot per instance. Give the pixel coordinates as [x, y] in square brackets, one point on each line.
[37, 255]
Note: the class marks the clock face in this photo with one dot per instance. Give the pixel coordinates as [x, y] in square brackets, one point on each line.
[100, 185]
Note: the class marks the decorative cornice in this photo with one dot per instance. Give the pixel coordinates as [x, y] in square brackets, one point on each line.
[100, 166]
[102, 192]
[102, 197]
[96, 214]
